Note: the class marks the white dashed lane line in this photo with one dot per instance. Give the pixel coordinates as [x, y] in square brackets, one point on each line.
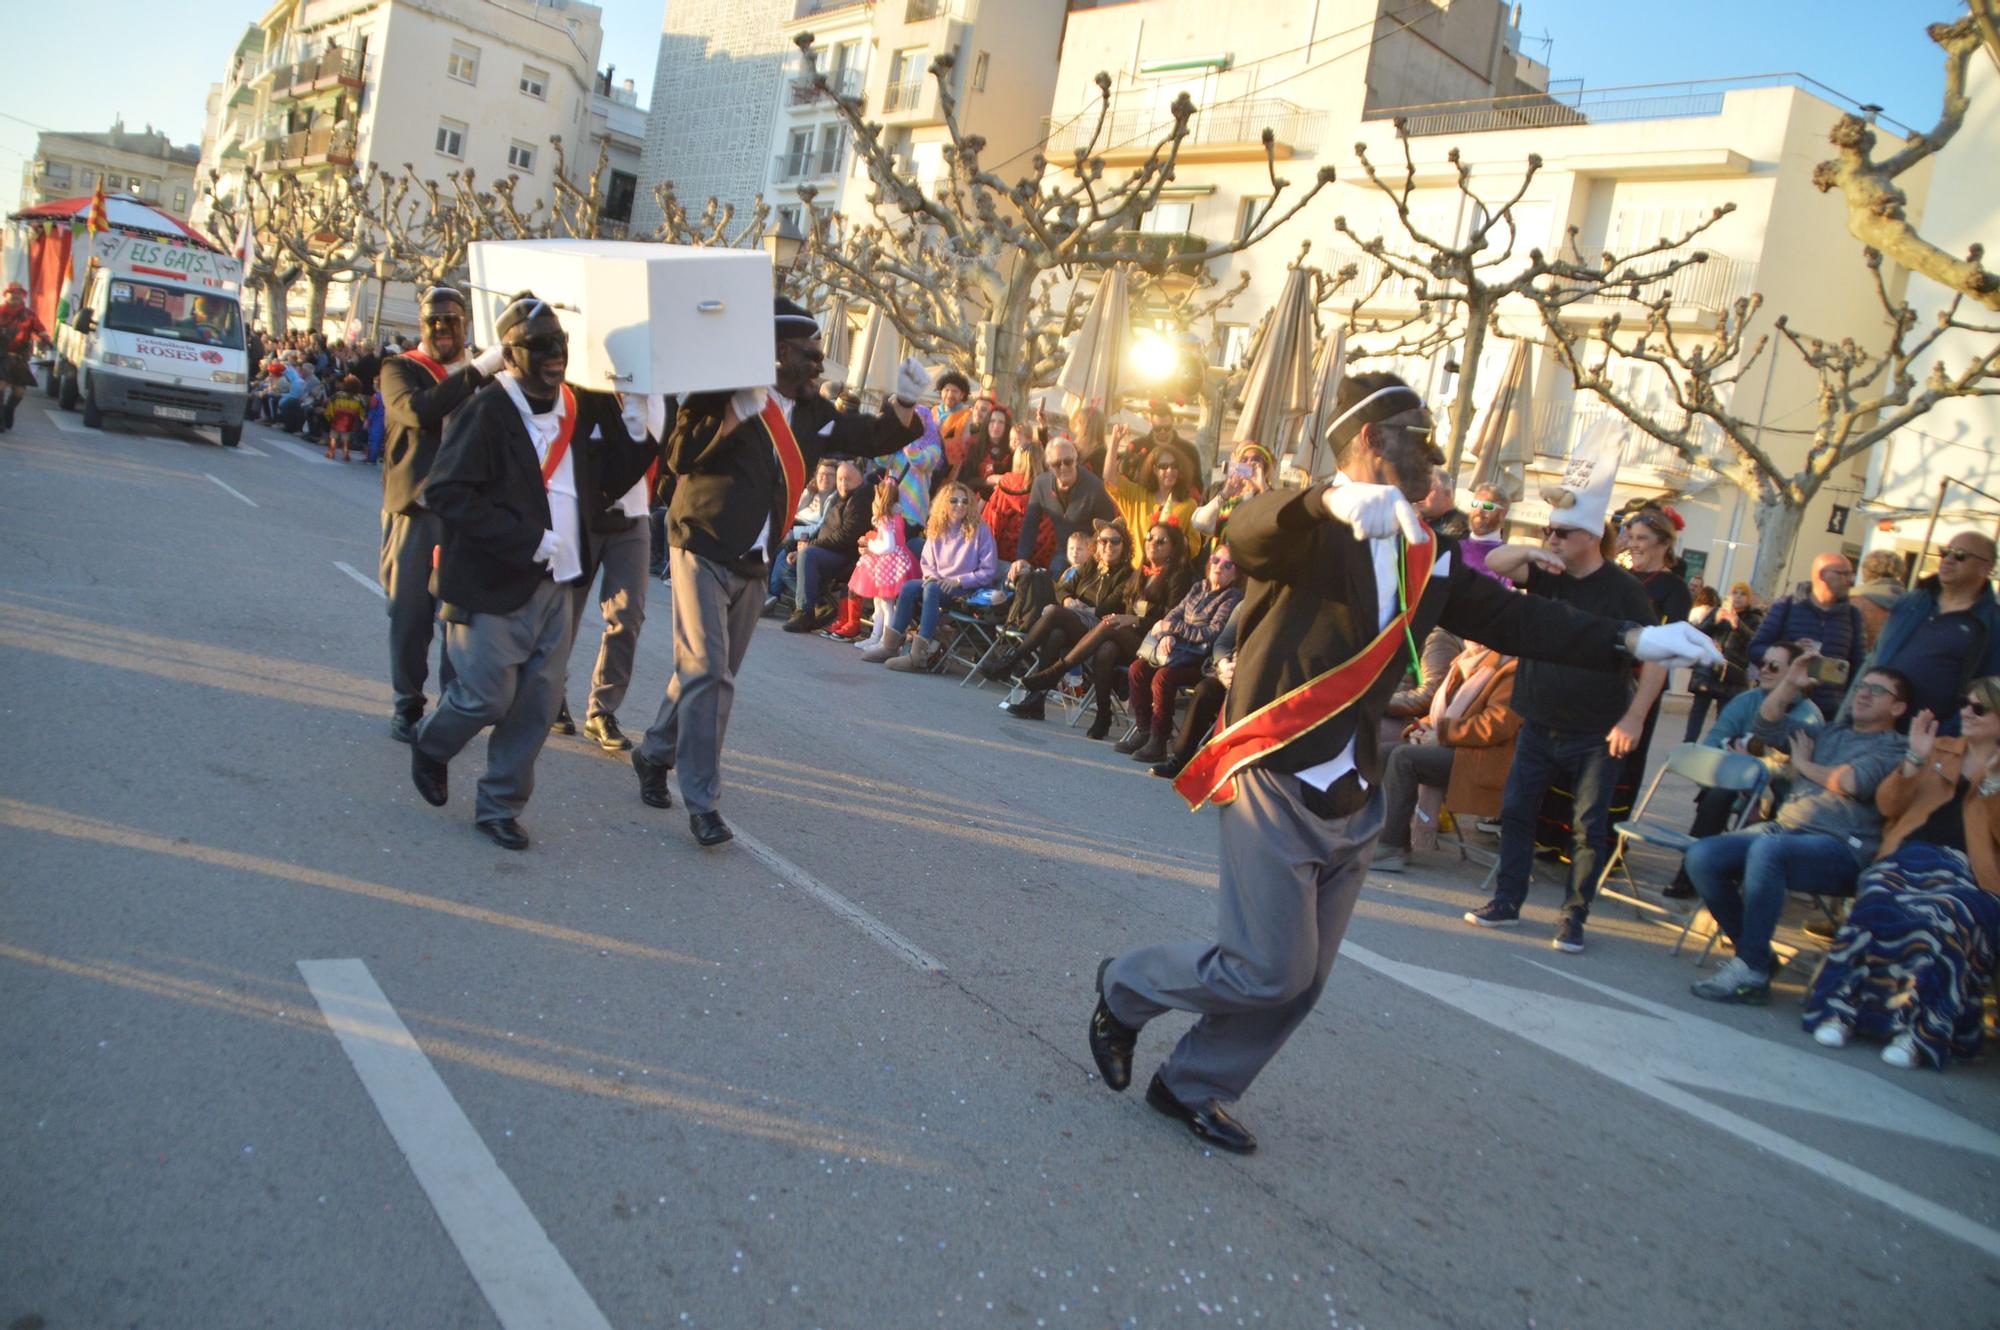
[360, 577]
[231, 489]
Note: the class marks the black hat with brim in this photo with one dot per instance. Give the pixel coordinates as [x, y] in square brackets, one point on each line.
[793, 322]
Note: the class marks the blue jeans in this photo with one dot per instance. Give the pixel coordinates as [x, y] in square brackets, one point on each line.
[816, 566]
[930, 593]
[1582, 762]
[1743, 878]
[783, 575]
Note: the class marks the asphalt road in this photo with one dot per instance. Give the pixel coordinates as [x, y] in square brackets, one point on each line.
[645, 1084]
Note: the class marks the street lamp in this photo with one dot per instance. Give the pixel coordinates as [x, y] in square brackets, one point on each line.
[783, 243]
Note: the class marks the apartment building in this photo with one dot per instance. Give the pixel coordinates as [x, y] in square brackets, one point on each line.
[145, 164]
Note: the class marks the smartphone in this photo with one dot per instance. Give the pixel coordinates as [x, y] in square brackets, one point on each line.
[1827, 670]
[1239, 470]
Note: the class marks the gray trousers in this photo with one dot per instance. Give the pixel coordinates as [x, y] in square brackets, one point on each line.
[407, 542]
[510, 676]
[1289, 882]
[715, 611]
[621, 588]
[1405, 766]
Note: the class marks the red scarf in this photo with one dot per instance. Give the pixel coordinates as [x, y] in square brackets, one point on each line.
[1211, 776]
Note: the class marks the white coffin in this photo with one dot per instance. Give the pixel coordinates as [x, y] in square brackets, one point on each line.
[641, 317]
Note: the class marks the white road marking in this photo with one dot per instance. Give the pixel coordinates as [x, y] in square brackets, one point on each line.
[368, 582]
[233, 490]
[904, 949]
[61, 420]
[523, 1277]
[1667, 1054]
[248, 451]
[303, 453]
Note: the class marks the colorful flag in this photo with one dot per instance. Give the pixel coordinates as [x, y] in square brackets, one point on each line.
[246, 243]
[99, 221]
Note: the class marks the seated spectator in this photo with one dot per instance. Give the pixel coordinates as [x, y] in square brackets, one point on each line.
[885, 564]
[1946, 631]
[813, 500]
[1104, 589]
[1463, 745]
[1007, 502]
[1249, 474]
[1067, 498]
[1880, 587]
[292, 397]
[1913, 962]
[833, 549]
[1442, 647]
[1824, 830]
[1824, 617]
[958, 558]
[1732, 624]
[1204, 704]
[1166, 492]
[1110, 645]
[1181, 648]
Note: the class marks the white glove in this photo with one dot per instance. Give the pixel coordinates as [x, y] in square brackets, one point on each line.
[912, 381]
[644, 415]
[1375, 512]
[489, 361]
[545, 553]
[1675, 645]
[747, 403]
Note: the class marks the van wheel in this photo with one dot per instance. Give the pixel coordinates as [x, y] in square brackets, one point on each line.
[66, 387]
[232, 435]
[92, 417]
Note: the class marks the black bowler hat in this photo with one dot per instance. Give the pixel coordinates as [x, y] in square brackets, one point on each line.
[794, 324]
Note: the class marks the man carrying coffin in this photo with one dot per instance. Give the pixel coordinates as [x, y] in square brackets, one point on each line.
[740, 461]
[1344, 581]
[419, 389]
[522, 468]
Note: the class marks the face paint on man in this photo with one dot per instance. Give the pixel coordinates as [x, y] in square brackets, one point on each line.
[443, 320]
[538, 351]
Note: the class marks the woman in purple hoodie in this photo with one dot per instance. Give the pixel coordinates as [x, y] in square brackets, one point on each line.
[959, 558]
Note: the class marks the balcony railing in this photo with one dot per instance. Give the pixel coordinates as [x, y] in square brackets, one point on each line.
[312, 147]
[1163, 247]
[1712, 286]
[804, 91]
[1556, 427]
[905, 95]
[1139, 128]
[329, 70]
[1572, 104]
[1374, 283]
[923, 11]
[826, 160]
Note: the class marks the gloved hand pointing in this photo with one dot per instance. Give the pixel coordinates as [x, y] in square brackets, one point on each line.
[1674, 645]
[1375, 512]
[912, 381]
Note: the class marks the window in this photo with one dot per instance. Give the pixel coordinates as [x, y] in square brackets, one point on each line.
[1249, 212]
[1169, 218]
[906, 79]
[463, 63]
[164, 312]
[58, 174]
[535, 82]
[1235, 344]
[86, 179]
[451, 138]
[520, 156]
[618, 196]
[181, 202]
[979, 73]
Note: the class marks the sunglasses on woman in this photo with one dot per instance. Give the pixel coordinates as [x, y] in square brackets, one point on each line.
[1975, 706]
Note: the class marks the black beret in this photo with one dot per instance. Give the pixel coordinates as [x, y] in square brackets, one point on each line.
[794, 324]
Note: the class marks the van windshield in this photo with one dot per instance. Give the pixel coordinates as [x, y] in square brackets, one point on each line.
[165, 312]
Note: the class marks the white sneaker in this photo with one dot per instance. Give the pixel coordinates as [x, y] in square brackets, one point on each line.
[1902, 1053]
[1832, 1032]
[1390, 861]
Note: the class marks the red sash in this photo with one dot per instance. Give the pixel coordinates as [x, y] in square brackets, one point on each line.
[1210, 777]
[789, 456]
[437, 371]
[563, 431]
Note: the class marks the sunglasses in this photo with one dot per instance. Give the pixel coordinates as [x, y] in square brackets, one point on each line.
[1221, 565]
[1062, 461]
[1771, 664]
[959, 502]
[1961, 556]
[1558, 532]
[1975, 706]
[1111, 540]
[1486, 506]
[443, 320]
[1873, 690]
[545, 345]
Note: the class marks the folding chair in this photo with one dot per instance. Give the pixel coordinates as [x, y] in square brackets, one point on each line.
[977, 625]
[1708, 768]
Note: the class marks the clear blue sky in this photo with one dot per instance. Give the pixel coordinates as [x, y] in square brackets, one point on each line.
[75, 64]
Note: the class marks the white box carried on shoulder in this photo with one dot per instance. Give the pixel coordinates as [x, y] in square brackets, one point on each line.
[641, 318]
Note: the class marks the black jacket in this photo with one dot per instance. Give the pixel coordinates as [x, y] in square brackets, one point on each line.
[1311, 604]
[414, 406]
[730, 490]
[486, 486]
[848, 518]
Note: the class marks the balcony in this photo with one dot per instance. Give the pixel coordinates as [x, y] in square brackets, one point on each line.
[328, 72]
[1227, 132]
[1574, 105]
[311, 147]
[908, 95]
[803, 93]
[1166, 249]
[794, 168]
[1375, 285]
[1701, 292]
[923, 11]
[1556, 427]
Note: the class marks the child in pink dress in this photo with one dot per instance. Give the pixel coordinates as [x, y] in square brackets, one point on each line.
[885, 564]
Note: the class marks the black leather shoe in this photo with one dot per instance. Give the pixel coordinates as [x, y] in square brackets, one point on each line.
[603, 727]
[563, 724]
[1111, 1040]
[1100, 726]
[652, 782]
[504, 832]
[709, 829]
[1167, 770]
[403, 729]
[429, 776]
[1028, 708]
[1210, 1122]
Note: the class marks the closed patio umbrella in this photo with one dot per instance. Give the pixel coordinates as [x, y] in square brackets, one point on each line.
[877, 351]
[1314, 456]
[1501, 441]
[1090, 375]
[1278, 390]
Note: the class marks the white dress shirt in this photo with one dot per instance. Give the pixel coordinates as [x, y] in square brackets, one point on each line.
[563, 542]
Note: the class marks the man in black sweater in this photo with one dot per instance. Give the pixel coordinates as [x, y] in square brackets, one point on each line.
[740, 462]
[419, 390]
[833, 549]
[522, 468]
[1334, 603]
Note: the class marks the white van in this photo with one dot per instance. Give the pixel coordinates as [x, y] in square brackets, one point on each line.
[158, 333]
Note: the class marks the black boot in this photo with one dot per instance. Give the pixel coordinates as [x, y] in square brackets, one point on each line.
[1100, 725]
[1028, 708]
[1045, 678]
[1003, 666]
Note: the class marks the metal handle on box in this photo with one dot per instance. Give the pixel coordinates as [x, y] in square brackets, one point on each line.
[709, 307]
[616, 377]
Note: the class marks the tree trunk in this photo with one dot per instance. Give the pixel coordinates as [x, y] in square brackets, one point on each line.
[1778, 525]
[275, 313]
[316, 307]
[1468, 378]
[1009, 368]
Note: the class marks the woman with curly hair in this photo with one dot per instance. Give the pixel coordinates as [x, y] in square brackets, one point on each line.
[1912, 963]
[959, 557]
[1112, 643]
